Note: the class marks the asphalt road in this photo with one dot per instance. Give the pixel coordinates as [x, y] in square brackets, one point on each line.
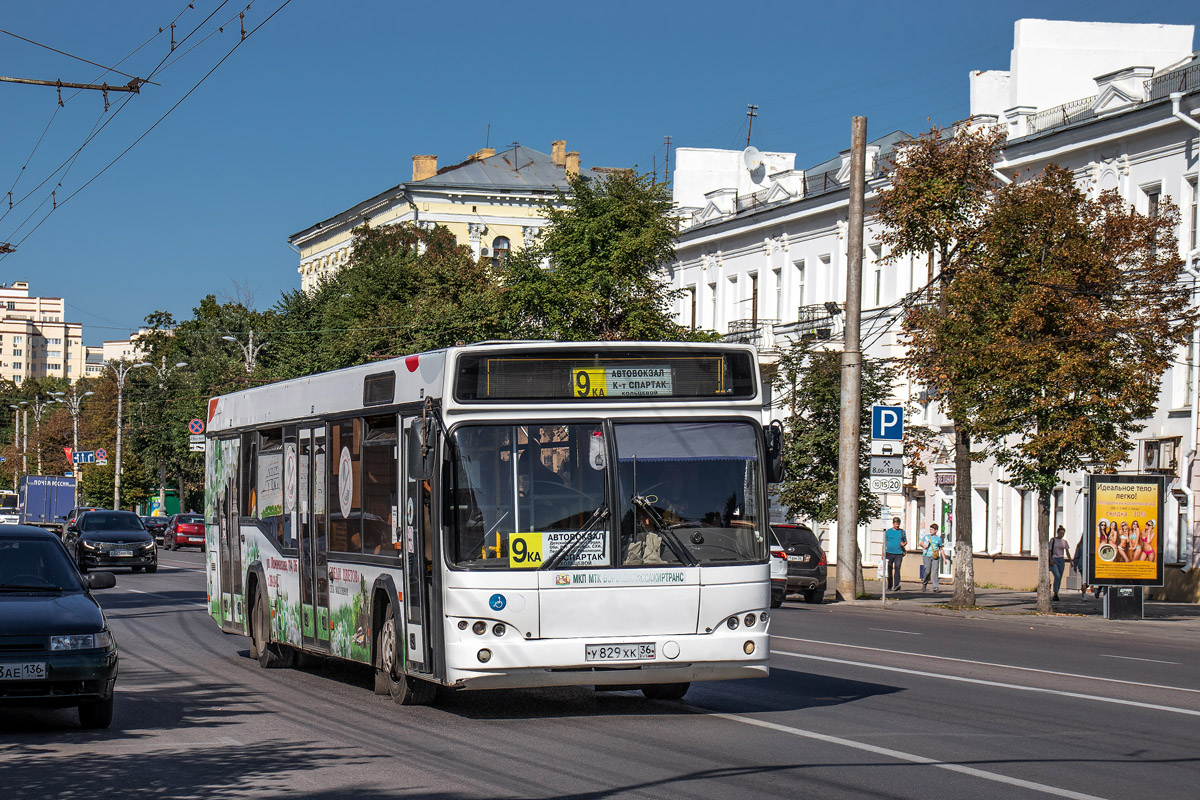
[861, 703]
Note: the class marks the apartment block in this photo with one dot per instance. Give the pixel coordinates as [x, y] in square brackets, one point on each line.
[36, 341]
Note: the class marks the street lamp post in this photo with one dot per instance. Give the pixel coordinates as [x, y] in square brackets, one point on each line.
[25, 438]
[162, 369]
[121, 370]
[39, 406]
[249, 350]
[73, 403]
[16, 439]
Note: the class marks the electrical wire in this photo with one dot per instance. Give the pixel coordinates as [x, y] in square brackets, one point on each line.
[69, 55]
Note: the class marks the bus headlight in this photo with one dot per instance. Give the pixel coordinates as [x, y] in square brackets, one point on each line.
[750, 620]
[479, 627]
[763, 618]
[732, 622]
[748, 648]
[498, 629]
[462, 624]
[484, 656]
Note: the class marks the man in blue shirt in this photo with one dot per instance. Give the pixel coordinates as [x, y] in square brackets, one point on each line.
[895, 540]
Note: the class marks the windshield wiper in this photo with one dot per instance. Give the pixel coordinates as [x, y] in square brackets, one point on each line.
[577, 538]
[29, 587]
[662, 529]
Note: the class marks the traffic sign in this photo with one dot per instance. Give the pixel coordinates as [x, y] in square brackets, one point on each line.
[196, 438]
[887, 466]
[101, 454]
[84, 457]
[887, 423]
[884, 485]
[196, 426]
[196, 447]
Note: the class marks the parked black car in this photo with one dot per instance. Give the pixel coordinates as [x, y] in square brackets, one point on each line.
[157, 526]
[111, 539]
[807, 566]
[55, 646]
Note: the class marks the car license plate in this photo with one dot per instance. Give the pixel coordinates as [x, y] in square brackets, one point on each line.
[619, 652]
[798, 559]
[32, 671]
[120, 553]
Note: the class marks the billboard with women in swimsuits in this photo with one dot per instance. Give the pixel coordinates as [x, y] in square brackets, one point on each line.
[1125, 516]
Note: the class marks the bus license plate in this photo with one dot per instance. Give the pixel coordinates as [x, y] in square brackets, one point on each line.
[619, 652]
[121, 553]
[23, 672]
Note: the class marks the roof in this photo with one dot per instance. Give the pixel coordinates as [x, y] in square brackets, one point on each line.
[515, 168]
[886, 145]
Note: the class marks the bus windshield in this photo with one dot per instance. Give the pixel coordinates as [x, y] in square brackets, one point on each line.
[687, 495]
[8, 501]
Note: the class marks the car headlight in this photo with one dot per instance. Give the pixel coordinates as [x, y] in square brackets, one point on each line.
[90, 545]
[148, 546]
[82, 641]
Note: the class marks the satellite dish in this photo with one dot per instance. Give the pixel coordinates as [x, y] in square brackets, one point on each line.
[752, 159]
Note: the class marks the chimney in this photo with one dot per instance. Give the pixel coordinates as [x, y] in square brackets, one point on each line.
[573, 162]
[558, 149]
[424, 167]
[484, 152]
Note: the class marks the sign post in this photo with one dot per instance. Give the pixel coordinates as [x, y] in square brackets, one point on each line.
[887, 464]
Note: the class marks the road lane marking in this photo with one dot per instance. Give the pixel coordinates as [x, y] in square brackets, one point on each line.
[890, 630]
[1133, 658]
[900, 755]
[991, 664]
[998, 684]
[154, 594]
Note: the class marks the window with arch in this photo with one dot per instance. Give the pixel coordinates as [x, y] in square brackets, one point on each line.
[500, 251]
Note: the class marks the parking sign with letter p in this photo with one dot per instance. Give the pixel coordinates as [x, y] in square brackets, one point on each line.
[887, 423]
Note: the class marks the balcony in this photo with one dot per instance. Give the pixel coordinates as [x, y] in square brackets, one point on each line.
[814, 323]
[757, 332]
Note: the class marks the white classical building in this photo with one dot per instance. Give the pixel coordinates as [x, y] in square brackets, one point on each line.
[763, 258]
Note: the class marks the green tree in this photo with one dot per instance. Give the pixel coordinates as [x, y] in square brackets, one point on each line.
[938, 207]
[1064, 327]
[597, 272]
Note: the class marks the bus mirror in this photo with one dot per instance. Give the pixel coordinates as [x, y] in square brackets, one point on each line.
[774, 437]
[421, 440]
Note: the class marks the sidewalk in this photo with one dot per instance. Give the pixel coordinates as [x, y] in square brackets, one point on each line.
[990, 603]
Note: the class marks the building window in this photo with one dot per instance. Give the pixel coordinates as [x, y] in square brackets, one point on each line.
[54, 354]
[500, 251]
[12, 306]
[712, 294]
[1028, 513]
[18, 352]
[777, 274]
[18, 339]
[54, 341]
[754, 298]
[692, 306]
[1190, 218]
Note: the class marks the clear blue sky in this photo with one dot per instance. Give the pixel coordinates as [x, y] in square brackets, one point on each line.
[326, 104]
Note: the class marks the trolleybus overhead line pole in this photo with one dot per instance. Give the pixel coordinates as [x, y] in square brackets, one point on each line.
[39, 405]
[73, 402]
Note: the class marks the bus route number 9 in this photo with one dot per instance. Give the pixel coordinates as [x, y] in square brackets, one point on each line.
[589, 383]
[524, 550]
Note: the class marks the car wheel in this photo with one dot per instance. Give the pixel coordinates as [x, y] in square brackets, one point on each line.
[135, 569]
[152, 568]
[96, 714]
[777, 597]
[79, 562]
[665, 691]
[814, 596]
[405, 690]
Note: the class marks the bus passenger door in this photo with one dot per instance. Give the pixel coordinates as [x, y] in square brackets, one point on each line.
[314, 576]
[416, 517]
[229, 546]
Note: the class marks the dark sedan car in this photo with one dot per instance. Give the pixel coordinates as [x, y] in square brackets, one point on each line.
[184, 530]
[807, 566]
[157, 527]
[111, 539]
[55, 646]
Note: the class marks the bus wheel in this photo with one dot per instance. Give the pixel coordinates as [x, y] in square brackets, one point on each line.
[665, 691]
[405, 690]
[260, 625]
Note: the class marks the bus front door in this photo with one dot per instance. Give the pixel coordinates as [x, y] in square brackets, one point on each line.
[314, 573]
[416, 516]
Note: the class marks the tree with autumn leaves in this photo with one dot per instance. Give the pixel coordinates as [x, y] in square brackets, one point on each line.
[1055, 316]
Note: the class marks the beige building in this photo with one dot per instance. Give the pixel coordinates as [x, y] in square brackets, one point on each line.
[35, 340]
[491, 202]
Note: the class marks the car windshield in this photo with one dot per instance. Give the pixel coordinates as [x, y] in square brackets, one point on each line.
[555, 489]
[688, 494]
[110, 521]
[36, 565]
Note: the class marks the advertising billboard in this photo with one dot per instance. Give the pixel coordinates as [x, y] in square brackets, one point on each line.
[1125, 522]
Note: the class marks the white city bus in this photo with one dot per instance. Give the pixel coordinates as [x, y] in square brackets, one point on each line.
[511, 514]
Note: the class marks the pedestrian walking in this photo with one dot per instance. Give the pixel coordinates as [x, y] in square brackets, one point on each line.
[895, 540]
[1077, 566]
[931, 557]
[1058, 557]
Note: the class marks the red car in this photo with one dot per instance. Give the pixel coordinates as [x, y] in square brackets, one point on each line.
[184, 530]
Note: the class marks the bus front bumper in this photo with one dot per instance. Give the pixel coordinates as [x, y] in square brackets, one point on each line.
[518, 663]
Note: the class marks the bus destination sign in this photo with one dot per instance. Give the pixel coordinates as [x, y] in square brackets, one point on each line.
[641, 381]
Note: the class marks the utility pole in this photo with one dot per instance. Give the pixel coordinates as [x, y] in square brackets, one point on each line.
[121, 370]
[39, 406]
[667, 165]
[851, 398]
[73, 402]
[751, 112]
[162, 369]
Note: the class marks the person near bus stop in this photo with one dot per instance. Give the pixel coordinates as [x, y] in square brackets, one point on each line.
[931, 555]
[1058, 557]
[895, 540]
[1077, 566]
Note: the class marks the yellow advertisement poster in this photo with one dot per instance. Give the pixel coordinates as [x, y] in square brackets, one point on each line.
[1127, 542]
